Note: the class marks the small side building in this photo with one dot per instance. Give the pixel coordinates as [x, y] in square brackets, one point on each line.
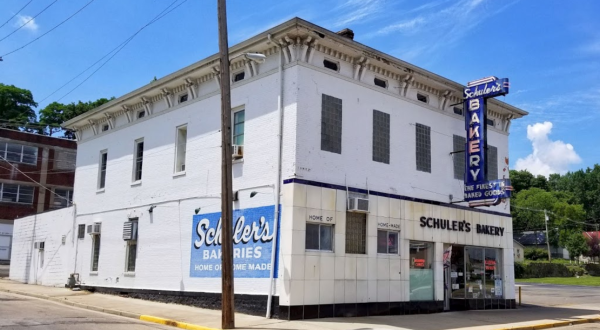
[518, 251]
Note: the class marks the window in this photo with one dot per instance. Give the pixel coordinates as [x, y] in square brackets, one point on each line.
[423, 148]
[102, 169]
[380, 82]
[239, 118]
[319, 237]
[138, 160]
[18, 153]
[421, 271]
[490, 122]
[356, 233]
[105, 128]
[183, 98]
[422, 97]
[180, 149]
[95, 252]
[491, 161]
[458, 111]
[387, 242]
[80, 231]
[141, 114]
[131, 253]
[381, 137]
[239, 76]
[14, 193]
[458, 157]
[64, 198]
[331, 124]
[330, 65]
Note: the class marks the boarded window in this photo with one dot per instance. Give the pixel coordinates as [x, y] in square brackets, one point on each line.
[331, 124]
[381, 137]
[458, 157]
[356, 233]
[491, 161]
[423, 138]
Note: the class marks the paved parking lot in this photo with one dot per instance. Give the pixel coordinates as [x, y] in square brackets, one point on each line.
[560, 295]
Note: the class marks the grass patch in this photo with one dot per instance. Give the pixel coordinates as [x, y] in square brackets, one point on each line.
[583, 280]
[554, 261]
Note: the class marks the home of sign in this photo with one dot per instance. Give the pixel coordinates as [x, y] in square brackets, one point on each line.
[479, 191]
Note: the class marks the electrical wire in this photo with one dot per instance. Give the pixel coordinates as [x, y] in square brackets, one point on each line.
[17, 13]
[556, 215]
[20, 27]
[52, 29]
[113, 51]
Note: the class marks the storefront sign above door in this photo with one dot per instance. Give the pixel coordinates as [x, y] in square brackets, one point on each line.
[464, 225]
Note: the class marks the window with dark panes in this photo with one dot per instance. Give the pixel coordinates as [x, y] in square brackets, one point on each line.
[356, 233]
[381, 137]
[330, 65]
[423, 138]
[81, 231]
[239, 120]
[458, 157]
[63, 197]
[131, 253]
[422, 97]
[491, 161]
[102, 169]
[183, 98]
[319, 237]
[139, 160]
[14, 193]
[18, 153]
[387, 242]
[331, 124]
[95, 252]
[239, 76]
[458, 111]
[380, 82]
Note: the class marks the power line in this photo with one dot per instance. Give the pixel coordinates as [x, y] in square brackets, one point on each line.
[52, 29]
[38, 14]
[557, 215]
[17, 13]
[115, 50]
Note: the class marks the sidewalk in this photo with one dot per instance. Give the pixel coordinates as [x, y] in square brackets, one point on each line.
[528, 317]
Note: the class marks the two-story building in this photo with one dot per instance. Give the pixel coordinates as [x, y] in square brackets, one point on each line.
[36, 175]
[348, 180]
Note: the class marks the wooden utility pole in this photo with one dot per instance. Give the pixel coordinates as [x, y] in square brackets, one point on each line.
[227, 303]
[547, 236]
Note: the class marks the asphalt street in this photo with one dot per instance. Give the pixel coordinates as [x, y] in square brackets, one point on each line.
[21, 312]
[558, 295]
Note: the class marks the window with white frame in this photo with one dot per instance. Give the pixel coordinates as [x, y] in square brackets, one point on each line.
[180, 149]
[18, 153]
[102, 169]
[356, 233]
[387, 242]
[62, 198]
[131, 253]
[138, 160]
[15, 193]
[81, 231]
[239, 119]
[319, 237]
[95, 252]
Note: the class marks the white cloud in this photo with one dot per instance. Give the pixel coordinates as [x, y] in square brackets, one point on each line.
[548, 156]
[405, 26]
[354, 10]
[22, 19]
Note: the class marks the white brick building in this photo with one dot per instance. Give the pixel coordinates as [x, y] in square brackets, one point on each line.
[356, 123]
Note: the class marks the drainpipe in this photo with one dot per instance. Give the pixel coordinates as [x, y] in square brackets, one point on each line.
[278, 180]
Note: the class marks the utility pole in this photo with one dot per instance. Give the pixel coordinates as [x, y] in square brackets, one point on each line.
[227, 301]
[547, 236]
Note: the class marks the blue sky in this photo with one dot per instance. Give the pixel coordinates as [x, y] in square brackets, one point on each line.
[550, 50]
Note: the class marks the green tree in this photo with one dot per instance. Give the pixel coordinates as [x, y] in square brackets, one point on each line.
[521, 180]
[576, 245]
[54, 114]
[16, 110]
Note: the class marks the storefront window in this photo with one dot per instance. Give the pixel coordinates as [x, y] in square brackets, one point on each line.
[474, 272]
[457, 272]
[493, 274]
[421, 271]
[483, 273]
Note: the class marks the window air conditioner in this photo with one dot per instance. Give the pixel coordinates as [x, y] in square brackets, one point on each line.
[94, 229]
[237, 151]
[358, 205]
[39, 245]
[130, 230]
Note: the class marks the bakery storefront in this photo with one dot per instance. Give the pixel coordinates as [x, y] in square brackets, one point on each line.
[469, 260]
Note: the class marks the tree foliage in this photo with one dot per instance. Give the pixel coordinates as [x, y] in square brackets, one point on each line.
[576, 244]
[16, 110]
[54, 114]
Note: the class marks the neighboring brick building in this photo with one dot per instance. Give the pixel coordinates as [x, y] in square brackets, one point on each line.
[47, 160]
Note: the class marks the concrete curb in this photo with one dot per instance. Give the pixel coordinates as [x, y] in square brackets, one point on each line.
[555, 324]
[147, 318]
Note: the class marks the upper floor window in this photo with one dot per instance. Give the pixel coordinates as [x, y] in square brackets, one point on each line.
[138, 160]
[458, 157]
[381, 137]
[331, 124]
[183, 98]
[423, 138]
[490, 122]
[239, 119]
[330, 65]
[356, 233]
[63, 198]
[239, 76]
[422, 98]
[141, 114]
[104, 127]
[380, 82]
[15, 193]
[491, 162]
[458, 111]
[102, 169]
[180, 149]
[19, 153]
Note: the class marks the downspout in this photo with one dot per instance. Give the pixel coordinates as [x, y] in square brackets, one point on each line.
[277, 181]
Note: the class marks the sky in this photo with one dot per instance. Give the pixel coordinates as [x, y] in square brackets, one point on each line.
[550, 51]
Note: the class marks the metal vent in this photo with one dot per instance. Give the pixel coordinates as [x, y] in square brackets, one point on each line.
[358, 205]
[130, 230]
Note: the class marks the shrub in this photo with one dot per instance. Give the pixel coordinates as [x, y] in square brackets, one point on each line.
[576, 270]
[535, 254]
[593, 269]
[520, 269]
[541, 269]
